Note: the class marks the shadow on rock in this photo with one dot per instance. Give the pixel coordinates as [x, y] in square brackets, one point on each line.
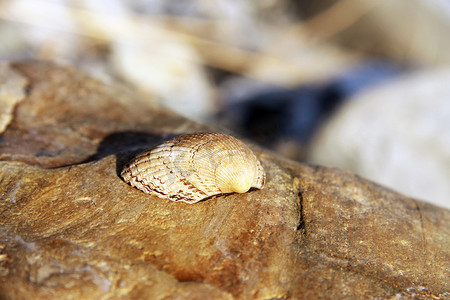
[126, 145]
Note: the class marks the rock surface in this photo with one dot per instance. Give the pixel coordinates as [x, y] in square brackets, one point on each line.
[71, 228]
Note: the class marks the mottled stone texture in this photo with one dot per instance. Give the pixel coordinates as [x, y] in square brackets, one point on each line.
[70, 228]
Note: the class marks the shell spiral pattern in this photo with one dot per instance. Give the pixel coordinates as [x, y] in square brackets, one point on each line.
[193, 167]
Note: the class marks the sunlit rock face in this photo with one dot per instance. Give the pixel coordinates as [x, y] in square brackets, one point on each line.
[71, 228]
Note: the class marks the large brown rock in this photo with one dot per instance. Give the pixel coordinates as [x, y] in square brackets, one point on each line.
[71, 228]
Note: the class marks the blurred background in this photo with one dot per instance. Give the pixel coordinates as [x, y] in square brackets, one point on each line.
[362, 85]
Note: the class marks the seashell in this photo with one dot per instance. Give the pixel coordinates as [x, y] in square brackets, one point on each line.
[194, 167]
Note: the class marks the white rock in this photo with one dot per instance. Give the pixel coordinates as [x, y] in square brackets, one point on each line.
[397, 135]
[165, 66]
[153, 58]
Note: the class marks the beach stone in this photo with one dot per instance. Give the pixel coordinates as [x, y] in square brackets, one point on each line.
[71, 228]
[396, 134]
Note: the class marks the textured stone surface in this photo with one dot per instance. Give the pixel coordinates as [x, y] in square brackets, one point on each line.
[71, 228]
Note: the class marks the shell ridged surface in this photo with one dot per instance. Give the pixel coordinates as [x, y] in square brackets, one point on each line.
[193, 167]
